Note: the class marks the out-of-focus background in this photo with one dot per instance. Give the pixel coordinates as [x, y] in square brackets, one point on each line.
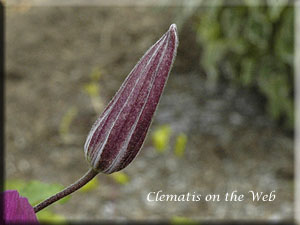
[224, 123]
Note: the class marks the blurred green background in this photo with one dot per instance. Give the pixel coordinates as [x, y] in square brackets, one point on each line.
[224, 123]
[252, 47]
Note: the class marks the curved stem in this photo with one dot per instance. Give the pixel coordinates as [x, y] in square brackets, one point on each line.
[68, 190]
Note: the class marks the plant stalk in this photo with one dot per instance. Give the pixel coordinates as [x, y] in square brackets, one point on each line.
[68, 190]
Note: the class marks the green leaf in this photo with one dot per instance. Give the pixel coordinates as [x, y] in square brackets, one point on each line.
[35, 191]
[161, 138]
[180, 145]
[182, 220]
[258, 29]
[92, 89]
[46, 216]
[275, 11]
[96, 74]
[232, 21]
[252, 46]
[248, 69]
[14, 185]
[93, 184]
[66, 122]
[120, 177]
[284, 39]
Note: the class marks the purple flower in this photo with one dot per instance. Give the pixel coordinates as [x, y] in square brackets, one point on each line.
[118, 134]
[17, 209]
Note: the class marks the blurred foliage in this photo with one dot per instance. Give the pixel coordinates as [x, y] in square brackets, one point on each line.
[66, 123]
[15, 185]
[180, 145]
[161, 140]
[160, 137]
[251, 46]
[96, 74]
[92, 88]
[182, 220]
[47, 217]
[35, 191]
[92, 185]
[120, 177]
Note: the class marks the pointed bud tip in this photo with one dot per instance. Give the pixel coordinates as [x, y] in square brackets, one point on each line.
[173, 27]
[173, 30]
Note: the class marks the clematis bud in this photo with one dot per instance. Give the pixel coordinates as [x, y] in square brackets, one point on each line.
[118, 134]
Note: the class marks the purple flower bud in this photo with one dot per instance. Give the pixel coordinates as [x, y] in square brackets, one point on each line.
[118, 134]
